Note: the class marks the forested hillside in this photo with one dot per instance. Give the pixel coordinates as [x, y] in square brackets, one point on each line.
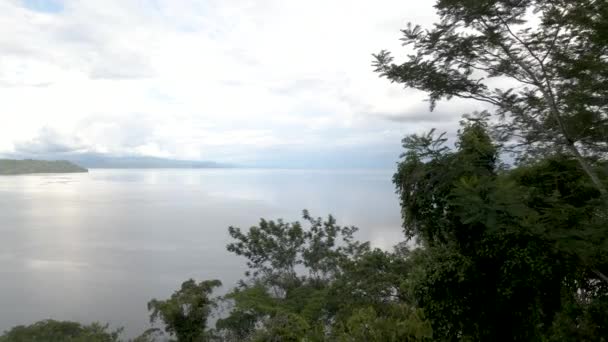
[19, 167]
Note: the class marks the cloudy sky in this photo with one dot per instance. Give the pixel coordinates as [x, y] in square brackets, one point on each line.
[251, 82]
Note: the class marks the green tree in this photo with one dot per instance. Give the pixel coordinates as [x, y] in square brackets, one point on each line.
[149, 335]
[185, 313]
[318, 284]
[501, 256]
[550, 55]
[398, 323]
[290, 269]
[61, 331]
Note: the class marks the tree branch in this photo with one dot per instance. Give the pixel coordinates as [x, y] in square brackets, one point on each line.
[552, 45]
[549, 97]
[600, 274]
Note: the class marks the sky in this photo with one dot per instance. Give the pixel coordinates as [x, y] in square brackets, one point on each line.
[255, 83]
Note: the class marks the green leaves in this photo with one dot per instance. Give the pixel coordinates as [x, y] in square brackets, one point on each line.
[505, 246]
[555, 99]
[57, 331]
[185, 313]
[397, 323]
[317, 284]
[275, 249]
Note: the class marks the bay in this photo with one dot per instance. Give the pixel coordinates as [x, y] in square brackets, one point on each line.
[97, 246]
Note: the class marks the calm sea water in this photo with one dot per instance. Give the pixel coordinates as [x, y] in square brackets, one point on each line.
[98, 246]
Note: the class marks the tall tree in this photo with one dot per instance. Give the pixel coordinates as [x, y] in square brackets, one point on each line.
[290, 269]
[550, 55]
[315, 282]
[185, 313]
[507, 254]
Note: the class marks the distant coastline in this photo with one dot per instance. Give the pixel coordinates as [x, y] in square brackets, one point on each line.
[29, 166]
[92, 160]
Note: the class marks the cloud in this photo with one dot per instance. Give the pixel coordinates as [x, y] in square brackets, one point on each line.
[48, 141]
[110, 71]
[421, 112]
[224, 80]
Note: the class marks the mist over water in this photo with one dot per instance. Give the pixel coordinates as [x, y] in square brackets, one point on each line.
[99, 246]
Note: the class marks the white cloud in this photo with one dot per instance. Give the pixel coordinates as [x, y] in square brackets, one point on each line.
[225, 80]
[50, 141]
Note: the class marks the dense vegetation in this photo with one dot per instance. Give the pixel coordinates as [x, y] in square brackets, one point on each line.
[492, 252]
[55, 331]
[19, 167]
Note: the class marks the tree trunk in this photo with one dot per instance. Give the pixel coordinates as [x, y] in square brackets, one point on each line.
[555, 112]
[590, 172]
[546, 90]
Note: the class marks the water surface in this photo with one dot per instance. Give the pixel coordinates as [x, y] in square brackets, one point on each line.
[98, 246]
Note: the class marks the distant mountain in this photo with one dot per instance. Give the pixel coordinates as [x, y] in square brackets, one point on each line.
[19, 167]
[100, 160]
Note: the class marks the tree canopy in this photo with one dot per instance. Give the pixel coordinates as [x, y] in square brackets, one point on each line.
[185, 314]
[550, 56]
[317, 283]
[61, 331]
[502, 254]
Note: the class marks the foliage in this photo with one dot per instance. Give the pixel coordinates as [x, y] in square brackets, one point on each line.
[554, 73]
[399, 323]
[275, 249]
[515, 254]
[506, 252]
[17, 167]
[61, 331]
[150, 335]
[185, 313]
[317, 284]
